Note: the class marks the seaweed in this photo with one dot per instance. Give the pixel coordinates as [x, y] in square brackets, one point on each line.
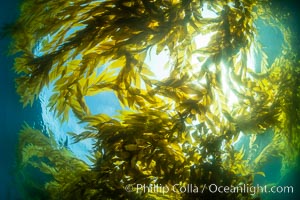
[178, 130]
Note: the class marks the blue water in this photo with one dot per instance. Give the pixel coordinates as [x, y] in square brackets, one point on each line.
[12, 112]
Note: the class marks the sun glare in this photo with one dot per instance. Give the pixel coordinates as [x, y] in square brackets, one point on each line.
[159, 63]
[161, 66]
[208, 11]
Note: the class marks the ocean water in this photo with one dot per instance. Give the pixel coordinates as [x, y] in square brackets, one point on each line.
[13, 115]
[12, 112]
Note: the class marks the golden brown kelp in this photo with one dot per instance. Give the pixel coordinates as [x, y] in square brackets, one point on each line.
[179, 130]
[42, 152]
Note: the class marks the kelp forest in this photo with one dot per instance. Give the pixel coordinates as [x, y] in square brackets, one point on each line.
[200, 125]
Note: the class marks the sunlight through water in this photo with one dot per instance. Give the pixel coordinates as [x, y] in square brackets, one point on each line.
[107, 102]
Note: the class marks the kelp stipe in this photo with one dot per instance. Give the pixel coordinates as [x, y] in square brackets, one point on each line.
[181, 129]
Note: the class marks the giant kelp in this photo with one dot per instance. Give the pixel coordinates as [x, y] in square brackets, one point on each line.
[177, 130]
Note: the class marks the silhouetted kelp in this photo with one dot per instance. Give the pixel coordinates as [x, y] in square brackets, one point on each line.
[177, 130]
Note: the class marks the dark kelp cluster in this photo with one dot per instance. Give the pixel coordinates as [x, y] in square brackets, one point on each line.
[178, 130]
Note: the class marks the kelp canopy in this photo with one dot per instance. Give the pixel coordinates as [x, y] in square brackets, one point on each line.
[176, 130]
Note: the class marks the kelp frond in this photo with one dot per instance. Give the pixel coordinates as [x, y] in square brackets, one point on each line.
[41, 152]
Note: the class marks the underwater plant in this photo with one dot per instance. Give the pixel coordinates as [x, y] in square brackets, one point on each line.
[180, 129]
